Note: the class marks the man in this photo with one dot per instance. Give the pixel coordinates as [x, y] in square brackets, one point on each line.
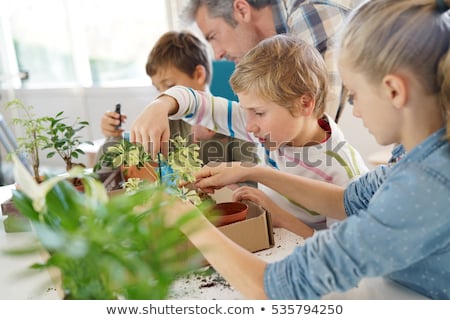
[233, 27]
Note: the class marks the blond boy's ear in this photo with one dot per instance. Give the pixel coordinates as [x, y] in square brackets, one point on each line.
[303, 106]
[200, 75]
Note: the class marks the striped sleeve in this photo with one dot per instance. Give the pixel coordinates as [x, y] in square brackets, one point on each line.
[216, 113]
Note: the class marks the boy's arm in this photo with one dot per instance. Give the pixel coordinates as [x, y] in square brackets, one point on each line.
[151, 128]
[319, 196]
[215, 113]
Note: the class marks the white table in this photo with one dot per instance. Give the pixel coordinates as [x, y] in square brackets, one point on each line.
[207, 284]
[17, 281]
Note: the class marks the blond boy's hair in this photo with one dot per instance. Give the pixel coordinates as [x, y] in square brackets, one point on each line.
[281, 69]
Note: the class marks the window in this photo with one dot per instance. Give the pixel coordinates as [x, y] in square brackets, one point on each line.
[66, 43]
[119, 41]
[42, 43]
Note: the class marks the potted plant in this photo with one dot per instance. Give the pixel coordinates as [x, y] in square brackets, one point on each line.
[132, 160]
[105, 247]
[183, 161]
[174, 172]
[63, 139]
[29, 143]
[34, 136]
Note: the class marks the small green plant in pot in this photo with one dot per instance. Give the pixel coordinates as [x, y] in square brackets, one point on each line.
[131, 158]
[183, 161]
[178, 169]
[64, 139]
[105, 247]
[34, 137]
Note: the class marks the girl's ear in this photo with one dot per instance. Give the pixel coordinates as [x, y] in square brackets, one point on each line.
[200, 75]
[395, 88]
[304, 106]
[241, 10]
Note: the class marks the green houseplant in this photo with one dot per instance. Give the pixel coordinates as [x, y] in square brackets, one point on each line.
[34, 137]
[47, 133]
[129, 157]
[178, 169]
[183, 161]
[105, 247]
[63, 139]
[40, 133]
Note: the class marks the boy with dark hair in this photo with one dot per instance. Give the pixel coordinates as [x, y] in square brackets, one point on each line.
[180, 58]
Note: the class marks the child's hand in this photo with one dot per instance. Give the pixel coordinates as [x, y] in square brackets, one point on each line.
[255, 195]
[216, 175]
[109, 122]
[151, 128]
[278, 215]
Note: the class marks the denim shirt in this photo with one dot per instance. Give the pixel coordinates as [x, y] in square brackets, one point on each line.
[398, 226]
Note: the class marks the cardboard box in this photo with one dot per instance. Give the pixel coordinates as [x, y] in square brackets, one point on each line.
[254, 233]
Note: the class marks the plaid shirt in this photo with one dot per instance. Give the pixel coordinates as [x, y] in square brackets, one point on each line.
[316, 22]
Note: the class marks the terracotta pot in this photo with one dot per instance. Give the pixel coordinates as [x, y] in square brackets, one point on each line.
[147, 172]
[77, 183]
[228, 212]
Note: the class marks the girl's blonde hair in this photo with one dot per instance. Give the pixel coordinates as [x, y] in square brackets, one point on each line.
[281, 69]
[383, 36]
